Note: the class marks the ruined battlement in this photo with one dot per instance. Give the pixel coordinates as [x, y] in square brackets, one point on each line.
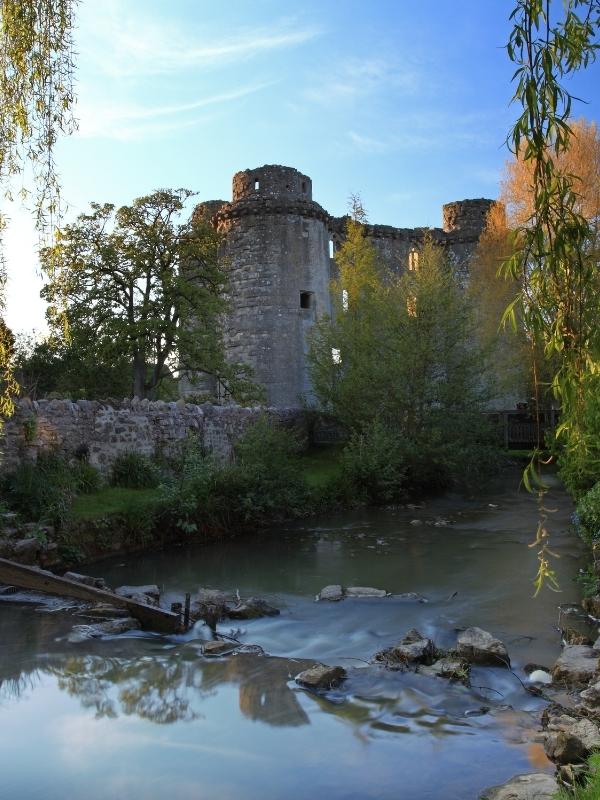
[278, 243]
[272, 182]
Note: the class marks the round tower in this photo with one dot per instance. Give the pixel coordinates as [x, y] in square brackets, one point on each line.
[277, 245]
[466, 217]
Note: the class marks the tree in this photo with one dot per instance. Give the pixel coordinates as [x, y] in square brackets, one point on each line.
[399, 361]
[148, 288]
[36, 96]
[555, 257]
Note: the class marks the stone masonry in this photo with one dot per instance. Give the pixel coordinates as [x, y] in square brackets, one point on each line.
[279, 245]
[102, 431]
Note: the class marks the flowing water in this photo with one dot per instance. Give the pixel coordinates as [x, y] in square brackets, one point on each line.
[145, 716]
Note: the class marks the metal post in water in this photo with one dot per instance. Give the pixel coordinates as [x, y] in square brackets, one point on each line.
[186, 611]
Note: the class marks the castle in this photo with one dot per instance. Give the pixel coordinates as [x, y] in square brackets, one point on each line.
[280, 244]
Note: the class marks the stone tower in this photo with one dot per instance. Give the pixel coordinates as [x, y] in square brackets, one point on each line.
[277, 245]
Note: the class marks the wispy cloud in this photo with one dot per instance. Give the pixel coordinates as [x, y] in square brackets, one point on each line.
[131, 122]
[426, 131]
[357, 78]
[125, 42]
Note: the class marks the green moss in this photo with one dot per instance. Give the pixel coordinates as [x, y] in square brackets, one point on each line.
[321, 466]
[113, 500]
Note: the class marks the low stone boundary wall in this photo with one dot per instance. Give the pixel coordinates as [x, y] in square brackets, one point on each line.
[102, 431]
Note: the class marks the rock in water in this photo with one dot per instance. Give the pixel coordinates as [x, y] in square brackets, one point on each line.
[252, 608]
[365, 591]
[217, 648]
[480, 647]
[412, 649]
[454, 669]
[320, 676]
[573, 744]
[540, 676]
[591, 699]
[135, 592]
[112, 627]
[333, 592]
[576, 665]
[86, 580]
[536, 786]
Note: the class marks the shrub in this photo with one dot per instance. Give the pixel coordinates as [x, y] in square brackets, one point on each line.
[587, 516]
[373, 465]
[134, 471]
[87, 477]
[42, 490]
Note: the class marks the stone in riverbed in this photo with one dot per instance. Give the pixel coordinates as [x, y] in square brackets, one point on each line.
[26, 551]
[576, 665]
[454, 669]
[217, 648]
[365, 591]
[321, 676]
[252, 608]
[592, 605]
[573, 744]
[414, 648]
[536, 786]
[112, 627]
[591, 699]
[333, 593]
[480, 647]
[136, 592]
[86, 580]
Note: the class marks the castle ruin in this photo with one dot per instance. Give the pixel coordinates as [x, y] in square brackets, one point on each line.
[279, 244]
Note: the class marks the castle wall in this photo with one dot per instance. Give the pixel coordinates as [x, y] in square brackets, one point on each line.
[105, 431]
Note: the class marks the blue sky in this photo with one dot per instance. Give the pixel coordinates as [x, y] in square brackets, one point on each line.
[405, 103]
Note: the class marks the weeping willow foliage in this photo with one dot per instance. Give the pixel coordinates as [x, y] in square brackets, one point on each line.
[36, 104]
[556, 249]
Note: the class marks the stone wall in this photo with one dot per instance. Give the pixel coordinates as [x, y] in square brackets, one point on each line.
[103, 430]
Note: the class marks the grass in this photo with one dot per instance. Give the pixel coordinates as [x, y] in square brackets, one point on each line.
[591, 790]
[321, 465]
[112, 500]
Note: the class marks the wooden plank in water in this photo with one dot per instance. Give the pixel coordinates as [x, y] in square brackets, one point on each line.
[150, 617]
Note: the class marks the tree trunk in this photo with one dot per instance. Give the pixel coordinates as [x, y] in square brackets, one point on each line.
[139, 376]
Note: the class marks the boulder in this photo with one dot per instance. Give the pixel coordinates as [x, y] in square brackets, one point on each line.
[536, 786]
[252, 608]
[592, 605]
[321, 676]
[454, 669]
[413, 596]
[591, 699]
[333, 592]
[210, 606]
[412, 649]
[480, 647]
[576, 665]
[212, 596]
[134, 592]
[217, 648]
[573, 744]
[26, 551]
[365, 591]
[86, 580]
[112, 627]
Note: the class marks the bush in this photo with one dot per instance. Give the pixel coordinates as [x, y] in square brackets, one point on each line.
[587, 516]
[381, 466]
[134, 471]
[261, 484]
[42, 490]
[87, 477]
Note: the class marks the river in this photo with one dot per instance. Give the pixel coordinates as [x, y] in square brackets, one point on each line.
[144, 716]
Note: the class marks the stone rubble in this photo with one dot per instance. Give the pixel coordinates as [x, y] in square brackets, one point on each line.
[480, 647]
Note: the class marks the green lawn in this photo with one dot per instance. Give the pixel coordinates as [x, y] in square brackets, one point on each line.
[112, 500]
[321, 465]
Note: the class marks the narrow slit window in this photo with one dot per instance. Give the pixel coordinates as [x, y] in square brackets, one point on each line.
[304, 186]
[331, 248]
[336, 355]
[256, 186]
[345, 299]
[413, 260]
[306, 299]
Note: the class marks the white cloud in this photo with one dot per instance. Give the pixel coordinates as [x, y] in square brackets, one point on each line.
[132, 122]
[356, 78]
[125, 42]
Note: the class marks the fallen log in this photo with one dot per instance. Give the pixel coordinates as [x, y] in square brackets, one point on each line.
[39, 580]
